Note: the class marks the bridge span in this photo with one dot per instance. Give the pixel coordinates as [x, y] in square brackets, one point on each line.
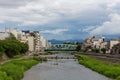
[56, 57]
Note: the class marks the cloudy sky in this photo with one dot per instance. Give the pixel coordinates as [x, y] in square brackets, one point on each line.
[63, 19]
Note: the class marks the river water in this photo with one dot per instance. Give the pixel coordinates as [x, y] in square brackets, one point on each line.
[62, 69]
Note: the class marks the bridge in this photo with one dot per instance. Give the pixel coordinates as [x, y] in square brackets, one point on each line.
[56, 57]
[62, 47]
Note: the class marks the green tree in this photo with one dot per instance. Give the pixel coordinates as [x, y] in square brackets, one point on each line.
[78, 48]
[103, 50]
[24, 48]
[96, 50]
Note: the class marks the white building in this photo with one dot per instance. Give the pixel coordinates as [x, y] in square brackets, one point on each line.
[96, 42]
[34, 40]
[30, 42]
[15, 32]
[112, 43]
[45, 43]
[4, 35]
[37, 42]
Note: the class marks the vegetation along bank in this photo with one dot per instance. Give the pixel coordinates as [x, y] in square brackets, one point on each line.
[14, 69]
[108, 69]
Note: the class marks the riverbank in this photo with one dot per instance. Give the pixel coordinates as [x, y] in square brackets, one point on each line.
[14, 69]
[108, 69]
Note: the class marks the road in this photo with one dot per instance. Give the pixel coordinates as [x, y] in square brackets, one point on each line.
[62, 70]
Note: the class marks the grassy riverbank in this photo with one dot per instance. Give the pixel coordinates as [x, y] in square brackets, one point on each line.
[14, 69]
[110, 70]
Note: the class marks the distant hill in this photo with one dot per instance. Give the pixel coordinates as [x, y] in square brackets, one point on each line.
[54, 41]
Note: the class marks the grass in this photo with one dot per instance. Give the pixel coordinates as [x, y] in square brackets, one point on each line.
[109, 70]
[14, 69]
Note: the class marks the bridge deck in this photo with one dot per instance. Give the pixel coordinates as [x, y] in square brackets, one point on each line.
[60, 57]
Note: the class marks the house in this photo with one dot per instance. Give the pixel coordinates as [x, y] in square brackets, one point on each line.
[92, 42]
[116, 49]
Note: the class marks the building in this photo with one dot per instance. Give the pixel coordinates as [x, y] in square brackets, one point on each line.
[4, 35]
[15, 33]
[104, 45]
[112, 43]
[96, 42]
[37, 42]
[116, 49]
[34, 40]
[45, 43]
[92, 42]
[30, 42]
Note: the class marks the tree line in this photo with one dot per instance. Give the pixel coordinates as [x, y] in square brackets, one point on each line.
[12, 47]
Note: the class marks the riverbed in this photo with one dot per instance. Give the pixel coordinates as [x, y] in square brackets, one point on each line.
[62, 69]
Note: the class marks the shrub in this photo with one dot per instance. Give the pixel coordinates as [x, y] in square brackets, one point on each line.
[3, 76]
[14, 70]
[96, 50]
[103, 50]
[12, 47]
[118, 78]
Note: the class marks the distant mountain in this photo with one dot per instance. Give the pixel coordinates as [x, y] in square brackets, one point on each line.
[54, 41]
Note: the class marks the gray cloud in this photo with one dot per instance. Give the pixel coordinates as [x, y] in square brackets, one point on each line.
[13, 3]
[60, 14]
[111, 27]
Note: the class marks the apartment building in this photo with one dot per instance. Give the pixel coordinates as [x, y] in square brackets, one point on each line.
[37, 42]
[4, 34]
[45, 43]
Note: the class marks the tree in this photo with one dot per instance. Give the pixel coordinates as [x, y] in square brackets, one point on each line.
[78, 48]
[12, 47]
[77, 43]
[24, 47]
[103, 50]
[96, 50]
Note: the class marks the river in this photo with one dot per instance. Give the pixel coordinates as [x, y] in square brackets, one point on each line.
[61, 69]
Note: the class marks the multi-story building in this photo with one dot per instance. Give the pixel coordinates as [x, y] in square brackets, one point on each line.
[37, 42]
[45, 43]
[31, 44]
[34, 40]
